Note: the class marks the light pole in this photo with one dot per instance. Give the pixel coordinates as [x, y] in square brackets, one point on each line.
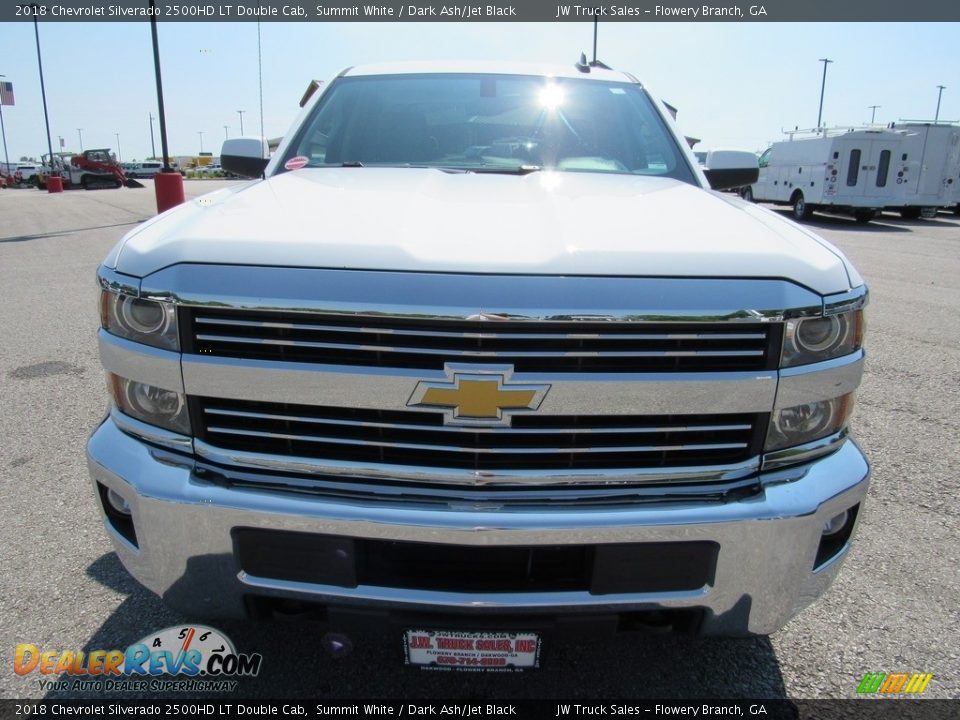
[240, 113]
[43, 95]
[260, 76]
[80, 135]
[200, 133]
[153, 148]
[873, 113]
[940, 89]
[119, 154]
[168, 184]
[3, 131]
[226, 132]
[823, 87]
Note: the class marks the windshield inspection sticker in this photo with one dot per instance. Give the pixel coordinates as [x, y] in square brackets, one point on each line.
[295, 163]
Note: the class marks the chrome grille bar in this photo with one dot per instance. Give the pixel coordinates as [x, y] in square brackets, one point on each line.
[565, 445]
[571, 346]
[480, 353]
[479, 430]
[480, 335]
[464, 449]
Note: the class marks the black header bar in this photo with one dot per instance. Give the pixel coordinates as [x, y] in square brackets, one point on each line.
[484, 11]
[229, 706]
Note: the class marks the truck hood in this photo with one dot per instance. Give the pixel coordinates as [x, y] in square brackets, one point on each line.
[428, 220]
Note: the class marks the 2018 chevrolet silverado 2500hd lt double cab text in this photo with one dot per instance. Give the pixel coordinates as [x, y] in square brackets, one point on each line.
[482, 348]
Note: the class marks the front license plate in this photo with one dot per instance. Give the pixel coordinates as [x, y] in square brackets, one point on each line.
[472, 650]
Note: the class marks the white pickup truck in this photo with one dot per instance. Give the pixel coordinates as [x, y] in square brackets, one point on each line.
[26, 172]
[480, 352]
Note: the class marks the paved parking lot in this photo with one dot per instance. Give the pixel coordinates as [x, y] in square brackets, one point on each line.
[894, 608]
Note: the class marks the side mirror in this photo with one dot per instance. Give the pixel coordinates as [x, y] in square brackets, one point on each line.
[727, 169]
[245, 156]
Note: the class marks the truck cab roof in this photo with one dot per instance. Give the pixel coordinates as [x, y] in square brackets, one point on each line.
[432, 67]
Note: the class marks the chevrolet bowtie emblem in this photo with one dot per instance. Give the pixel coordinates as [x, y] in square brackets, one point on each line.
[478, 395]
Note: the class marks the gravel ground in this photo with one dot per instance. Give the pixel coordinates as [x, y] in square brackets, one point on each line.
[894, 607]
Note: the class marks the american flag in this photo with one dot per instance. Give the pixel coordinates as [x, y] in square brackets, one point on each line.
[6, 93]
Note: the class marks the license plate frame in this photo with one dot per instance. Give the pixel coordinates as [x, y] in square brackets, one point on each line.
[476, 650]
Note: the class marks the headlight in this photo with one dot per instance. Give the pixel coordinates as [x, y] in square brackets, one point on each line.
[810, 340]
[145, 321]
[153, 405]
[805, 423]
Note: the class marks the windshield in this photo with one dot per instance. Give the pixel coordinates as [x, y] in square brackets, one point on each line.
[487, 123]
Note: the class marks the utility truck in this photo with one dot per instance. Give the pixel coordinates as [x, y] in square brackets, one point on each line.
[849, 171]
[927, 168]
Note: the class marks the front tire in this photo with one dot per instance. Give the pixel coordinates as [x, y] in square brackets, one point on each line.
[801, 210]
[748, 194]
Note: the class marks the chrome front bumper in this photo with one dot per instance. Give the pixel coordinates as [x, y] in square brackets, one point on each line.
[764, 574]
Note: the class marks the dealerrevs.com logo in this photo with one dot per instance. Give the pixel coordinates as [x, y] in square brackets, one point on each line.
[199, 658]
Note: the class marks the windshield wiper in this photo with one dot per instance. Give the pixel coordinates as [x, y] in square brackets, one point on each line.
[492, 169]
[521, 170]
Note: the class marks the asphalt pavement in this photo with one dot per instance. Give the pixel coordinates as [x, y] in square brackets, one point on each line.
[894, 607]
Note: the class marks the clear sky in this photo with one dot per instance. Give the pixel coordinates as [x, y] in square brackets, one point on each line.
[735, 84]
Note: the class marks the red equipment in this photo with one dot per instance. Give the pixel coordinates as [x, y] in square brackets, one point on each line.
[101, 161]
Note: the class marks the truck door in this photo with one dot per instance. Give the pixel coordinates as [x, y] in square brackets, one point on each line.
[854, 166]
[878, 171]
[940, 164]
[952, 173]
[781, 180]
[832, 176]
[761, 188]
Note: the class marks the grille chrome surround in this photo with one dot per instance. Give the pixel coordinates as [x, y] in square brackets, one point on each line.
[583, 449]
[579, 346]
[611, 346]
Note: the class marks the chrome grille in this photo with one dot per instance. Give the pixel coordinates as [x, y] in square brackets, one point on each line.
[570, 347]
[419, 439]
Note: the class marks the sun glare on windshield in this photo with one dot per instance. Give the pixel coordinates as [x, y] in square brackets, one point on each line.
[551, 97]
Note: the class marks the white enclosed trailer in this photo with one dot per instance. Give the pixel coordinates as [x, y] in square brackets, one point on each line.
[928, 168]
[846, 171]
